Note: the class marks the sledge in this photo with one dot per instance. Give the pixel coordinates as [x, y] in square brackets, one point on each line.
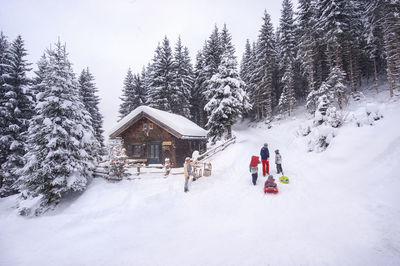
[284, 179]
[254, 161]
[270, 189]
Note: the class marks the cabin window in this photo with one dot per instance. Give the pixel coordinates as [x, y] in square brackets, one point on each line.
[144, 126]
[151, 126]
[136, 151]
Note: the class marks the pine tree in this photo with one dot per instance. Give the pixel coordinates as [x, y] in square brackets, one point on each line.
[60, 139]
[264, 69]
[287, 99]
[391, 33]
[308, 42]
[197, 94]
[18, 108]
[183, 80]
[128, 92]
[87, 91]
[212, 54]
[228, 99]
[333, 89]
[4, 151]
[336, 83]
[140, 90]
[246, 64]
[226, 42]
[287, 48]
[162, 78]
[374, 36]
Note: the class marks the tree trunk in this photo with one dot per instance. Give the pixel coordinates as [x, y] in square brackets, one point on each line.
[229, 132]
[352, 78]
[375, 75]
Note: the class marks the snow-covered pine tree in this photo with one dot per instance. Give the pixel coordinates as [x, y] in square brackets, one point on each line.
[146, 76]
[87, 91]
[228, 99]
[336, 83]
[162, 77]
[262, 76]
[140, 90]
[197, 98]
[4, 144]
[226, 42]
[287, 99]
[60, 140]
[333, 89]
[247, 67]
[287, 45]
[40, 72]
[183, 80]
[391, 34]
[212, 54]
[18, 107]
[308, 42]
[373, 35]
[246, 64]
[128, 92]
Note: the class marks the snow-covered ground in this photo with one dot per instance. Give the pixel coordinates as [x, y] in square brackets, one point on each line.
[342, 207]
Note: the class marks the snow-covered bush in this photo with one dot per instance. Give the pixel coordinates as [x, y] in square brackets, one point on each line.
[366, 115]
[321, 137]
[334, 117]
[326, 119]
[303, 130]
[117, 155]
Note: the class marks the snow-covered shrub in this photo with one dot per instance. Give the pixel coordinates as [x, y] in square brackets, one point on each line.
[326, 119]
[303, 130]
[320, 138]
[117, 155]
[366, 115]
[334, 117]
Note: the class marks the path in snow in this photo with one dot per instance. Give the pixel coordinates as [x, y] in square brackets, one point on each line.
[340, 208]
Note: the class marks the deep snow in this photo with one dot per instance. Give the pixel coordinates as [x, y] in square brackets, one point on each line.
[340, 208]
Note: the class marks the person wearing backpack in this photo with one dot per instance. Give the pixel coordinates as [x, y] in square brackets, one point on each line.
[254, 169]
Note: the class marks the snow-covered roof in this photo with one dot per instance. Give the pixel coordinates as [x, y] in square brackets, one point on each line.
[177, 125]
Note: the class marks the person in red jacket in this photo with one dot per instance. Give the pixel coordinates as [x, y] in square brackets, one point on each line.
[264, 159]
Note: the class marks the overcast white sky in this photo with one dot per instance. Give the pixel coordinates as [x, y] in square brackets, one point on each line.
[111, 36]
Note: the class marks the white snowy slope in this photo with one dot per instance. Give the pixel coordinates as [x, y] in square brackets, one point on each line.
[341, 208]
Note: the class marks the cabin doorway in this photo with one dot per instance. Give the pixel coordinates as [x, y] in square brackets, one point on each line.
[154, 152]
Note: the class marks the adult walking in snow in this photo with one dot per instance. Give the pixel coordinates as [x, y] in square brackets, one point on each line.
[264, 159]
[188, 170]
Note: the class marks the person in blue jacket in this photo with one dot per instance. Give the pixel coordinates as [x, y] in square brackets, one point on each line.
[265, 159]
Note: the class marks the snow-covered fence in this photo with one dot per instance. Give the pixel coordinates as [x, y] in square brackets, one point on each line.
[213, 151]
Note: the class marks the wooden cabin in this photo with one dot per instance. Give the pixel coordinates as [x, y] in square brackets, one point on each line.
[151, 135]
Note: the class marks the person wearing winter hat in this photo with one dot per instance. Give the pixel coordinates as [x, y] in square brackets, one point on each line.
[264, 159]
[270, 182]
[188, 171]
[278, 162]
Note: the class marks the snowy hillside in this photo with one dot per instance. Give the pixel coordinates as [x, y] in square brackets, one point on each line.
[341, 208]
